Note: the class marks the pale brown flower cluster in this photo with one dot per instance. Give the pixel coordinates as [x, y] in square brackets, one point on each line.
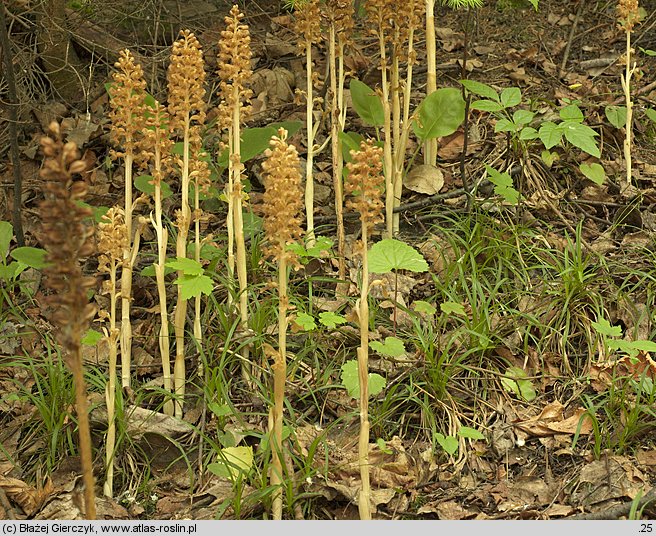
[234, 67]
[381, 13]
[127, 108]
[308, 23]
[283, 198]
[112, 238]
[156, 144]
[340, 13]
[364, 183]
[67, 237]
[628, 13]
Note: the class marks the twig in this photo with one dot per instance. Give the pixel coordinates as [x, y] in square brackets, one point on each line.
[618, 511]
[570, 38]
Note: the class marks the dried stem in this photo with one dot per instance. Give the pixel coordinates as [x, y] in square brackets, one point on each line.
[430, 146]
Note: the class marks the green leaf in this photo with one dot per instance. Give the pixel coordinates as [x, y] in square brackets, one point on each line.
[448, 443]
[603, 327]
[440, 114]
[651, 114]
[424, 307]
[144, 184]
[534, 3]
[305, 322]
[503, 185]
[6, 234]
[350, 142]
[523, 117]
[149, 271]
[486, 106]
[91, 337]
[194, 285]
[470, 433]
[515, 382]
[331, 320]
[581, 136]
[393, 347]
[647, 51]
[233, 462]
[351, 380]
[321, 245]
[478, 88]
[571, 112]
[220, 410]
[367, 103]
[528, 133]
[186, 266]
[32, 257]
[452, 308]
[511, 96]
[616, 115]
[9, 272]
[505, 125]
[382, 445]
[595, 172]
[390, 254]
[550, 134]
[548, 157]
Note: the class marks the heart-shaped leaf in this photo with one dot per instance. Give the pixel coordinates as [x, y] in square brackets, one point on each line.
[391, 254]
[595, 172]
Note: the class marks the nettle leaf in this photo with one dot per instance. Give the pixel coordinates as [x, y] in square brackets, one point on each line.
[571, 112]
[351, 380]
[486, 106]
[186, 266]
[515, 382]
[331, 320]
[470, 433]
[194, 285]
[367, 103]
[483, 90]
[424, 307]
[392, 347]
[390, 254]
[6, 234]
[503, 185]
[32, 257]
[550, 134]
[581, 136]
[305, 322]
[616, 115]
[511, 96]
[144, 183]
[595, 172]
[233, 462]
[440, 114]
[448, 443]
[651, 114]
[603, 327]
[452, 308]
[91, 337]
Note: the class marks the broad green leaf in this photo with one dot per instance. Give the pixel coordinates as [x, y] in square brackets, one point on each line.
[331, 320]
[321, 245]
[255, 141]
[505, 125]
[186, 266]
[523, 117]
[367, 103]
[595, 172]
[424, 307]
[515, 382]
[149, 271]
[233, 462]
[220, 410]
[470, 433]
[440, 114]
[616, 115]
[511, 96]
[571, 112]
[350, 142]
[548, 157]
[305, 322]
[194, 285]
[8, 272]
[452, 308]
[351, 380]
[382, 445]
[486, 106]
[528, 133]
[651, 114]
[642, 345]
[390, 254]
[581, 136]
[32, 257]
[6, 234]
[503, 185]
[448, 443]
[478, 88]
[550, 134]
[144, 184]
[91, 337]
[603, 327]
[392, 347]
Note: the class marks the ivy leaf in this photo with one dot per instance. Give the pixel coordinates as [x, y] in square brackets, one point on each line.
[305, 322]
[367, 103]
[595, 172]
[515, 382]
[186, 266]
[392, 347]
[440, 114]
[603, 327]
[331, 320]
[470, 433]
[32, 257]
[351, 380]
[233, 462]
[390, 254]
[448, 443]
[194, 285]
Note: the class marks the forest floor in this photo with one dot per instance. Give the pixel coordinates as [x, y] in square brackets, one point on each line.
[525, 388]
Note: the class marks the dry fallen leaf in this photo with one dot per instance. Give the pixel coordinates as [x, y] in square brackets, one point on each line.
[424, 179]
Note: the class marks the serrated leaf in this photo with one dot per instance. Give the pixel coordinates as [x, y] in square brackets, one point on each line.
[144, 183]
[616, 115]
[550, 134]
[486, 106]
[367, 103]
[515, 382]
[470, 433]
[32, 257]
[478, 88]
[305, 322]
[233, 462]
[6, 234]
[448, 443]
[91, 337]
[392, 347]
[571, 112]
[194, 285]
[331, 320]
[186, 266]
[440, 114]
[603, 327]
[511, 96]
[503, 185]
[595, 172]
[351, 380]
[581, 136]
[424, 307]
[390, 254]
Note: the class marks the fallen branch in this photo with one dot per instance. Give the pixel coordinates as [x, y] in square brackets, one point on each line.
[618, 511]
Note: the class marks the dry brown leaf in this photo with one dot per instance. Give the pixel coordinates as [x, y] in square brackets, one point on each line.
[424, 179]
[27, 497]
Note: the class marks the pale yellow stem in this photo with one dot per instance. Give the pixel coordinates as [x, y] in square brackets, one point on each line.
[364, 502]
[309, 176]
[626, 86]
[126, 279]
[388, 160]
[430, 147]
[110, 389]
